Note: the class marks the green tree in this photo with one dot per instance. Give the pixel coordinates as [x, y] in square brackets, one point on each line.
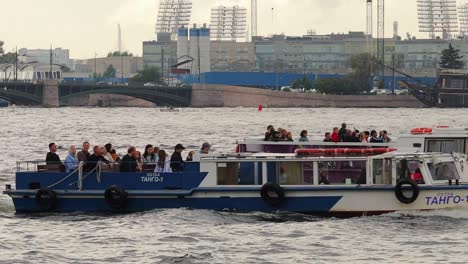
[1, 48]
[363, 67]
[9, 57]
[110, 72]
[451, 58]
[119, 54]
[343, 86]
[302, 82]
[148, 74]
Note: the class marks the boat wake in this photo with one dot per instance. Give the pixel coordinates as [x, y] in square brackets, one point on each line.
[442, 213]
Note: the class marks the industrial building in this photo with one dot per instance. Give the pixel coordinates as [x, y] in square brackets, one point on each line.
[59, 56]
[307, 54]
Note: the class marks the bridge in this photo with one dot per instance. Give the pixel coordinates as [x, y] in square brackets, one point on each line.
[20, 93]
[50, 93]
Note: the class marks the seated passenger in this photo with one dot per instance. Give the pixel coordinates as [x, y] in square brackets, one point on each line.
[327, 137]
[276, 136]
[284, 134]
[94, 159]
[190, 156]
[334, 136]
[52, 157]
[289, 137]
[139, 162]
[177, 163]
[84, 154]
[205, 148]
[323, 177]
[417, 176]
[107, 152]
[148, 155]
[106, 155]
[128, 162]
[164, 163]
[115, 156]
[71, 161]
[269, 132]
[303, 136]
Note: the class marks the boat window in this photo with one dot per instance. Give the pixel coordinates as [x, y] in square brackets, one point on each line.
[290, 173]
[405, 173]
[342, 172]
[228, 173]
[382, 171]
[443, 171]
[446, 145]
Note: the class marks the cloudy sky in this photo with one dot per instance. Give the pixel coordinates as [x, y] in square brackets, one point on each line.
[89, 26]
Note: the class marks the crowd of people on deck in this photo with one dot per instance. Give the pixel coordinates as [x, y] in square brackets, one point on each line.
[342, 134]
[153, 158]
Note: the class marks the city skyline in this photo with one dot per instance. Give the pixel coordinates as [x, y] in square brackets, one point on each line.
[87, 27]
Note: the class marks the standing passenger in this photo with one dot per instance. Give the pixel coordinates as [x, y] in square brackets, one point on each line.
[148, 155]
[83, 155]
[164, 164]
[334, 136]
[303, 137]
[71, 161]
[52, 157]
[342, 133]
[128, 162]
[327, 137]
[177, 163]
[205, 148]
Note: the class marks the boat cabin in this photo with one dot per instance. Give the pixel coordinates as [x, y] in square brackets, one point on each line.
[294, 170]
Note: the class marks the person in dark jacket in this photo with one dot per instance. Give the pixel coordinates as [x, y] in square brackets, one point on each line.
[94, 159]
[128, 162]
[374, 138]
[177, 163]
[52, 157]
[343, 132]
[84, 154]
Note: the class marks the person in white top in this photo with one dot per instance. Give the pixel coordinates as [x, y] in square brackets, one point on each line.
[164, 163]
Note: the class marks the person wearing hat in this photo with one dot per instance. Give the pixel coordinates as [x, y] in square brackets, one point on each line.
[177, 163]
[205, 148]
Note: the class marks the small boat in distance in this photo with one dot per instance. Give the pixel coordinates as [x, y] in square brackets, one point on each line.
[168, 109]
[335, 183]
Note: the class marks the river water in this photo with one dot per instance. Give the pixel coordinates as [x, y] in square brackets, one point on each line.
[198, 236]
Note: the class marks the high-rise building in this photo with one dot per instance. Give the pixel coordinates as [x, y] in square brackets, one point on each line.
[172, 15]
[228, 22]
[438, 18]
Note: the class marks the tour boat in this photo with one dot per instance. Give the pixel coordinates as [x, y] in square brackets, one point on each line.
[342, 182]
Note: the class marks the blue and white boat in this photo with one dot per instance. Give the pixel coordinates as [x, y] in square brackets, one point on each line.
[341, 184]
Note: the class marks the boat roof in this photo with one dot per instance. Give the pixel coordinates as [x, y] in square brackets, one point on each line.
[291, 156]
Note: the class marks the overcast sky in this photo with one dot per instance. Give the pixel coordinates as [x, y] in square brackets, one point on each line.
[89, 26]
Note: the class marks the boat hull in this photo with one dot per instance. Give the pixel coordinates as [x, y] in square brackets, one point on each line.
[329, 200]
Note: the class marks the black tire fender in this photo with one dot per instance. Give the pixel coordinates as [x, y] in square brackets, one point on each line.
[401, 186]
[116, 197]
[46, 199]
[272, 193]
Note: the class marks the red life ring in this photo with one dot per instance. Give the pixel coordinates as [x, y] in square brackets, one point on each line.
[340, 151]
[421, 130]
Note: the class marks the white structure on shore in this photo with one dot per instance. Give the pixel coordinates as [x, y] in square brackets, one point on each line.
[30, 72]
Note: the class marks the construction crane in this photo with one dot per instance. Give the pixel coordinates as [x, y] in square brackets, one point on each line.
[381, 37]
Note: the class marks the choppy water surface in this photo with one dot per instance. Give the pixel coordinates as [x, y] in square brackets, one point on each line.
[197, 236]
